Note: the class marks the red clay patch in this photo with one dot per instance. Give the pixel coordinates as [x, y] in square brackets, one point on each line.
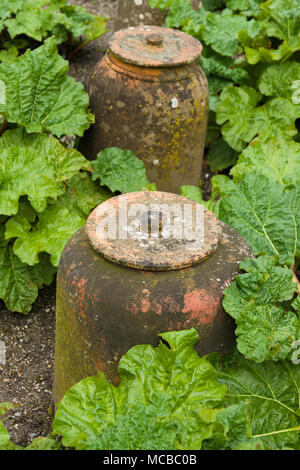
[200, 306]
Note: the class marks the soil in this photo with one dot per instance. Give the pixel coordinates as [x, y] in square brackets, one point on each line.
[26, 377]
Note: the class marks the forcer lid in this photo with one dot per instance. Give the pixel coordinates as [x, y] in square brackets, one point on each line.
[153, 46]
[152, 230]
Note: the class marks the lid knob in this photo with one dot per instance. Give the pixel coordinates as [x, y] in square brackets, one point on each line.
[154, 39]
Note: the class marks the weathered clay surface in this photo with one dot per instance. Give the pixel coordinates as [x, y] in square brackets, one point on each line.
[160, 113]
[164, 232]
[103, 309]
[152, 46]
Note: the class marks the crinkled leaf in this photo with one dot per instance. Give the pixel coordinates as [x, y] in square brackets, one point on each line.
[19, 283]
[34, 165]
[221, 66]
[278, 159]
[266, 332]
[182, 15]
[234, 111]
[38, 19]
[277, 79]
[192, 192]
[75, 20]
[35, 20]
[274, 119]
[221, 31]
[55, 225]
[83, 195]
[271, 394]
[265, 213]
[221, 72]
[257, 300]
[281, 18]
[173, 381]
[243, 120]
[41, 97]
[232, 430]
[282, 53]
[245, 6]
[162, 4]
[144, 427]
[44, 443]
[120, 170]
[7, 8]
[9, 55]
[195, 193]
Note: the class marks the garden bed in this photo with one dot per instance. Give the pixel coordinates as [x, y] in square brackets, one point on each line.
[26, 378]
[252, 66]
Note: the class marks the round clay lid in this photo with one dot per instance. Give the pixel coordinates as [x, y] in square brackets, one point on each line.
[153, 230]
[153, 46]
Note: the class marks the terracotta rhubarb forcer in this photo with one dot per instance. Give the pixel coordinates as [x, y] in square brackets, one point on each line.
[122, 280]
[137, 12]
[149, 95]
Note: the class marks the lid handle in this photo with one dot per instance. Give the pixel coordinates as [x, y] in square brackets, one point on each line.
[154, 39]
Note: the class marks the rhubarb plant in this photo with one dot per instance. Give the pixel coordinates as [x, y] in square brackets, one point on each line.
[36, 20]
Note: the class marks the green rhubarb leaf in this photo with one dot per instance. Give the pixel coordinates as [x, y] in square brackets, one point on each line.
[78, 21]
[221, 72]
[277, 79]
[44, 443]
[267, 326]
[270, 393]
[162, 4]
[224, 67]
[243, 120]
[41, 97]
[35, 20]
[192, 192]
[120, 170]
[282, 53]
[264, 283]
[19, 283]
[235, 111]
[277, 19]
[275, 119]
[281, 18]
[195, 193]
[144, 427]
[182, 15]
[221, 31]
[277, 159]
[245, 6]
[266, 332]
[167, 390]
[83, 195]
[7, 8]
[265, 213]
[232, 431]
[9, 55]
[55, 225]
[35, 166]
